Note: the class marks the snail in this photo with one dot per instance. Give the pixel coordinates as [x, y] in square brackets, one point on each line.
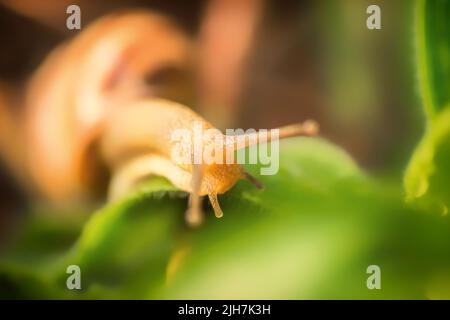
[88, 106]
[138, 140]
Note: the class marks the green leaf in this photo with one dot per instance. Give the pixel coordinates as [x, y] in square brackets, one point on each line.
[122, 250]
[310, 234]
[427, 178]
[127, 245]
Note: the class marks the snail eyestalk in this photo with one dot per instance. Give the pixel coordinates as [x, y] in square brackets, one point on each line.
[215, 204]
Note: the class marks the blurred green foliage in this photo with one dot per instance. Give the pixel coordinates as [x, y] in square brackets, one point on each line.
[311, 233]
[427, 179]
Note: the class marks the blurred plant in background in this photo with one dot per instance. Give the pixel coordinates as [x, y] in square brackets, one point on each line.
[427, 178]
[322, 220]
